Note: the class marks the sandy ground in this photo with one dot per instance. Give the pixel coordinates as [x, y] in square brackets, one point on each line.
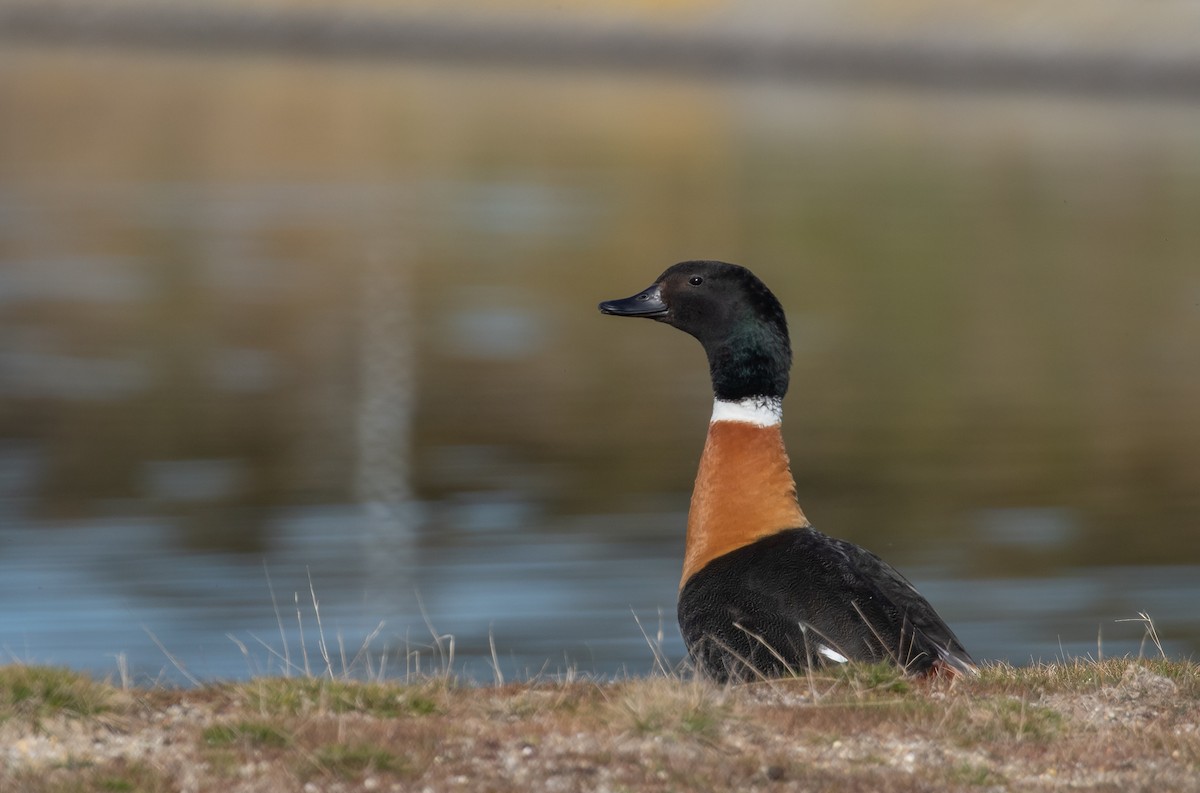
[1124, 726]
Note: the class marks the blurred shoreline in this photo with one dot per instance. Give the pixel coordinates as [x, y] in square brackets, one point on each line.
[968, 56]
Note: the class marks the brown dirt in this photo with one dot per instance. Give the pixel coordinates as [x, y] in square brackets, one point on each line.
[1119, 725]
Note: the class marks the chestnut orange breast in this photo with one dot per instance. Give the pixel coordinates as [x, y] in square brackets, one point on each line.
[744, 491]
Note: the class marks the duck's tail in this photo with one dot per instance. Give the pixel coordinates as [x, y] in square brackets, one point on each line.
[950, 665]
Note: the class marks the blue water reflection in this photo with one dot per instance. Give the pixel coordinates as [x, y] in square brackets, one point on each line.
[373, 375]
[86, 593]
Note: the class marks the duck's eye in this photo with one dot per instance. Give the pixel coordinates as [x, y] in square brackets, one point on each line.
[695, 280]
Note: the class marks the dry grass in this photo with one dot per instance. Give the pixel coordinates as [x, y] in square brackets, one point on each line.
[1120, 724]
[36, 692]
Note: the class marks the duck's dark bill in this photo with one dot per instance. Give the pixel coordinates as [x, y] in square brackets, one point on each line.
[647, 303]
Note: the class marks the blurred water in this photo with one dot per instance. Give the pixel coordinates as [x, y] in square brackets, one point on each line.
[246, 362]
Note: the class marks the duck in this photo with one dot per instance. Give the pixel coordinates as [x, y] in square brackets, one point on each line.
[763, 594]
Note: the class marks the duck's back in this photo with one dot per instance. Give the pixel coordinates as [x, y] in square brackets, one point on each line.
[799, 598]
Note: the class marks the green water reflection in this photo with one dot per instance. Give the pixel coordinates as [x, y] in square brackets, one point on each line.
[233, 287]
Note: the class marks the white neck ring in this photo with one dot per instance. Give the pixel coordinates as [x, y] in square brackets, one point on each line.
[761, 411]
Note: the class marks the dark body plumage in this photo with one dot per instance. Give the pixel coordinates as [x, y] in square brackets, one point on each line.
[771, 605]
[763, 593]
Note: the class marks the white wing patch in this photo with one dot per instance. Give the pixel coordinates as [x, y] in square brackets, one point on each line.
[832, 654]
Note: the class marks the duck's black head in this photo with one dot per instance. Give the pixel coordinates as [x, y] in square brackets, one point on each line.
[732, 313]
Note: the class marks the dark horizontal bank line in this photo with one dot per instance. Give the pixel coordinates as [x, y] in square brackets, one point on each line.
[332, 33]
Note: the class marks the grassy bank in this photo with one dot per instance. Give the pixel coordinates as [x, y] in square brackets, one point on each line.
[1121, 725]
